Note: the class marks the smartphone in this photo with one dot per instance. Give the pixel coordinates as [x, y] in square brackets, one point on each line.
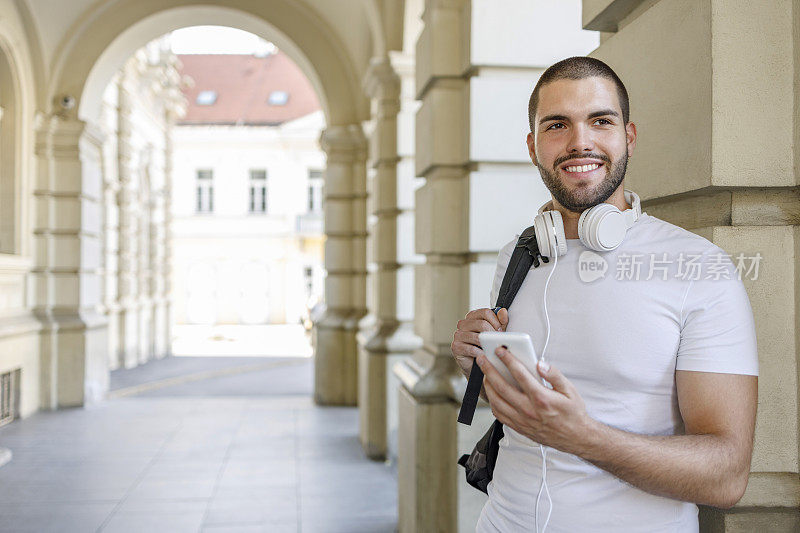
[519, 344]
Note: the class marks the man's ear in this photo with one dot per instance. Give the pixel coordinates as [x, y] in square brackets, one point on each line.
[630, 136]
[531, 142]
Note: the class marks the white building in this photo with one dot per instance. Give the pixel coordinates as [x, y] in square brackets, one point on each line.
[247, 192]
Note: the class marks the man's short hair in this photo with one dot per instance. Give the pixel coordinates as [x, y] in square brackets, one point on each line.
[578, 68]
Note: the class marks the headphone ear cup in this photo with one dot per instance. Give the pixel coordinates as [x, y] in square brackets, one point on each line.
[561, 240]
[549, 229]
[542, 235]
[602, 227]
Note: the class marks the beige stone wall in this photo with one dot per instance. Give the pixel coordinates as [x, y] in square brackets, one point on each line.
[714, 97]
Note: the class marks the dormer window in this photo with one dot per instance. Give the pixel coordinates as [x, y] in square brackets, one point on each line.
[278, 98]
[206, 98]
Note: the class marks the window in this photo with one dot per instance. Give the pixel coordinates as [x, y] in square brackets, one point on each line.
[206, 98]
[314, 191]
[258, 191]
[278, 98]
[308, 277]
[205, 191]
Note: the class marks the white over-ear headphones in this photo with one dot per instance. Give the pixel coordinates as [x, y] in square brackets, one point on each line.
[601, 228]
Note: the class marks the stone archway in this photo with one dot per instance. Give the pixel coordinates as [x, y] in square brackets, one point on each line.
[68, 148]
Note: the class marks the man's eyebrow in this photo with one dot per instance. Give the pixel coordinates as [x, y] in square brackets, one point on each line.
[603, 113]
[593, 114]
[552, 117]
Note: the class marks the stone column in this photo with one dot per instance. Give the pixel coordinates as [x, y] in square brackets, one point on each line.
[427, 495]
[336, 351]
[480, 190]
[110, 235]
[66, 280]
[391, 338]
[164, 316]
[128, 259]
[148, 212]
[716, 82]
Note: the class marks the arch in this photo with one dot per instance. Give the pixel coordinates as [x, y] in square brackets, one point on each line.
[97, 45]
[12, 106]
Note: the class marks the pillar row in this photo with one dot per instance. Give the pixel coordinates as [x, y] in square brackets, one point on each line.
[390, 337]
[336, 353]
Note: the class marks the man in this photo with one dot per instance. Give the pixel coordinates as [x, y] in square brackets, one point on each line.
[654, 377]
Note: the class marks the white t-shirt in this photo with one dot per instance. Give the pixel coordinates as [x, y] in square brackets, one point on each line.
[619, 339]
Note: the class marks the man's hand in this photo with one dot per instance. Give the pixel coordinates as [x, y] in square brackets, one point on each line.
[465, 345]
[555, 418]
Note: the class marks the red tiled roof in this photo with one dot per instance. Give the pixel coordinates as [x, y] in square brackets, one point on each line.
[243, 84]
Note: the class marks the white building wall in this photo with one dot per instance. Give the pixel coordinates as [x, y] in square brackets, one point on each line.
[232, 266]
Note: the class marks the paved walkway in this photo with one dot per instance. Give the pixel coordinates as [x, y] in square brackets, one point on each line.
[211, 449]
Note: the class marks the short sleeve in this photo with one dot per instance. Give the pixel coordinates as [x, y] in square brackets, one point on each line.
[503, 258]
[718, 330]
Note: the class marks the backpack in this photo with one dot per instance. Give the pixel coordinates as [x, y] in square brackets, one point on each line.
[479, 464]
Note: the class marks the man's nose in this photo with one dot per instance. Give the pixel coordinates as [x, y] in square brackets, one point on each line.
[580, 140]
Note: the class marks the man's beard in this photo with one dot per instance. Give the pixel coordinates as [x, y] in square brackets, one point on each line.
[582, 198]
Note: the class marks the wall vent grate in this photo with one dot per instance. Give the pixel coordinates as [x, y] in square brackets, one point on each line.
[9, 396]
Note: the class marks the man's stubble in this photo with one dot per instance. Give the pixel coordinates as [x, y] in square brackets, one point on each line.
[582, 198]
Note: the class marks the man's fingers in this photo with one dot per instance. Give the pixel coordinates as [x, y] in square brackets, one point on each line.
[468, 337]
[556, 379]
[463, 349]
[476, 325]
[529, 383]
[485, 314]
[502, 316]
[500, 407]
[505, 389]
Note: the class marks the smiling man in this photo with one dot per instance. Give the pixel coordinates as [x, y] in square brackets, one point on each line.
[654, 376]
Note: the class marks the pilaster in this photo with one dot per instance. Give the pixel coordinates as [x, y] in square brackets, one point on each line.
[66, 279]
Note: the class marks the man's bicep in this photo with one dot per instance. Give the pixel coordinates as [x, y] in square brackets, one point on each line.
[719, 404]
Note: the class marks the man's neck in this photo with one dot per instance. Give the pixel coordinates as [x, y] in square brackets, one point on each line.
[570, 218]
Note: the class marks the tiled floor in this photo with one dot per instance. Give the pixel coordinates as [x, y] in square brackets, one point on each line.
[238, 452]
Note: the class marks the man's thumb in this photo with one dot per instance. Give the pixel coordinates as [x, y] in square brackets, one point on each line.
[502, 315]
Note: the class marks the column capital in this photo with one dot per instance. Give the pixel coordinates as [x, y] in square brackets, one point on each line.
[59, 134]
[344, 144]
[381, 80]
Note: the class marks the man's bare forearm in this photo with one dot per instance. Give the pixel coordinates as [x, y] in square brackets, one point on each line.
[695, 468]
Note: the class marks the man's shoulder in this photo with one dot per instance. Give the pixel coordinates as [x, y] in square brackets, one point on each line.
[663, 235]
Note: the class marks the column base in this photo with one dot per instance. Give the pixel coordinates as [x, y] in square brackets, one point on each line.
[426, 467]
[748, 519]
[379, 350]
[336, 360]
[127, 329]
[74, 361]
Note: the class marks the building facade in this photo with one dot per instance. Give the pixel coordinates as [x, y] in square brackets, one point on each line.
[425, 111]
[247, 192]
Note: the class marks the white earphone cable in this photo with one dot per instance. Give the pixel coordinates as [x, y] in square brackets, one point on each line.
[542, 448]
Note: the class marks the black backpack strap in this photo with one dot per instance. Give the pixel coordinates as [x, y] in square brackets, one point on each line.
[526, 253]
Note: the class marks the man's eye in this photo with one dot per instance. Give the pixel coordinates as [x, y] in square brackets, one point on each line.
[603, 120]
[552, 125]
